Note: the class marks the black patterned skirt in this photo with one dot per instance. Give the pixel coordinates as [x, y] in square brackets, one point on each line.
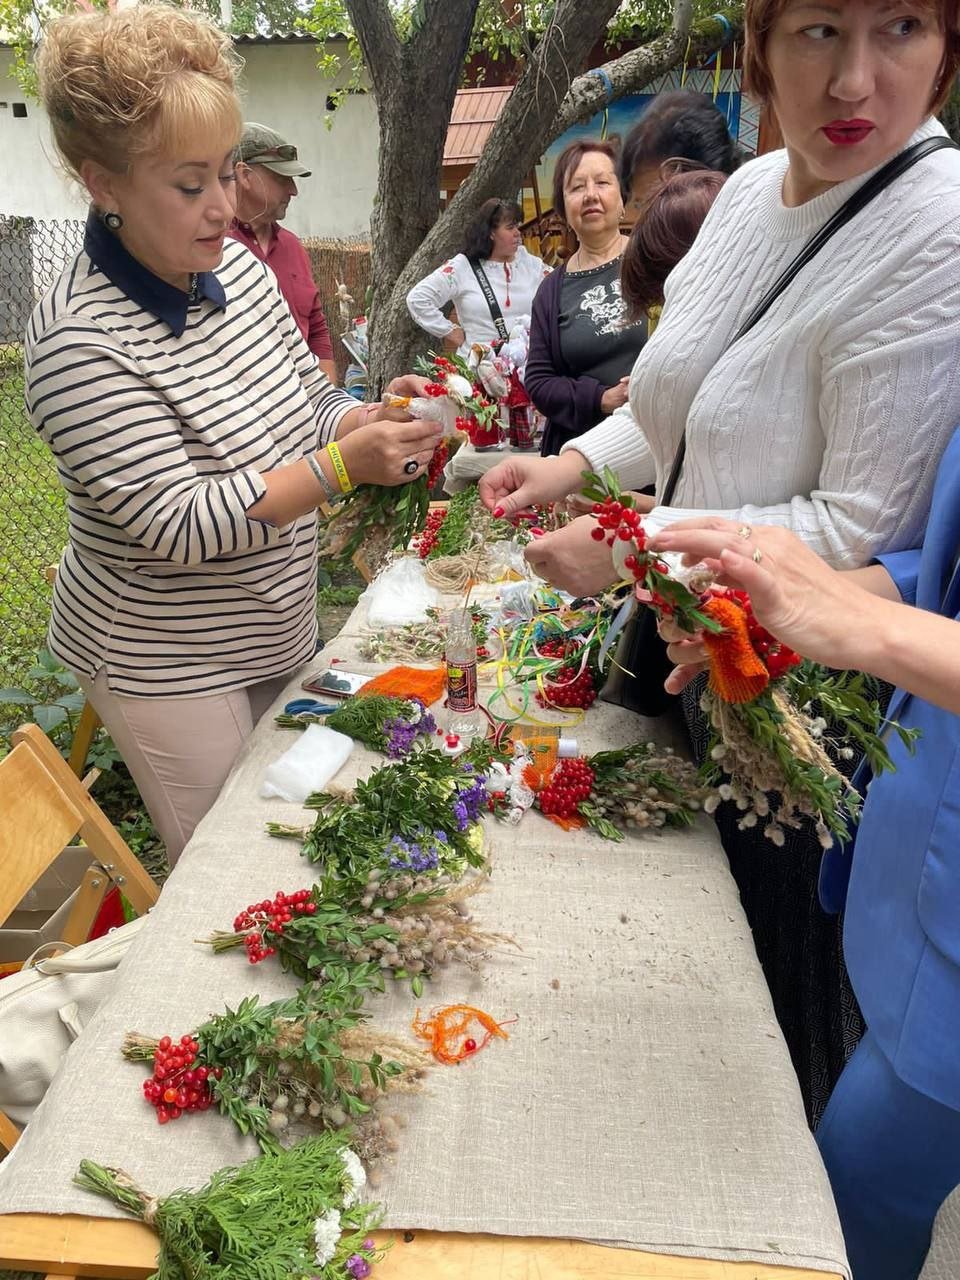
[799, 946]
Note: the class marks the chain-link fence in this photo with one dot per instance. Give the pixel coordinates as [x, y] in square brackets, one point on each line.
[32, 508]
[33, 520]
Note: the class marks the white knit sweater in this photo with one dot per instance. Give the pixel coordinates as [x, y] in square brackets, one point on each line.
[830, 416]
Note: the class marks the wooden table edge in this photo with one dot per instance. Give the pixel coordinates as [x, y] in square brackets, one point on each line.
[79, 1245]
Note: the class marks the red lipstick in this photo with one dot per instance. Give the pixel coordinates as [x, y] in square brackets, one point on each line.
[847, 133]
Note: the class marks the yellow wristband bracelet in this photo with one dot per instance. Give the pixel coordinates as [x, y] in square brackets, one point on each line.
[339, 470]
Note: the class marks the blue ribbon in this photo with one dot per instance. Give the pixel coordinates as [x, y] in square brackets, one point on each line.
[721, 18]
[607, 82]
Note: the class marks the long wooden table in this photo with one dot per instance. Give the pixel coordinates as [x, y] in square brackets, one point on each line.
[81, 1245]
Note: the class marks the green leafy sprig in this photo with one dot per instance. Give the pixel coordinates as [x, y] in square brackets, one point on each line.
[257, 1219]
[466, 524]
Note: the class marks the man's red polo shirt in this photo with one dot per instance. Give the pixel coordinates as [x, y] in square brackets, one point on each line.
[287, 259]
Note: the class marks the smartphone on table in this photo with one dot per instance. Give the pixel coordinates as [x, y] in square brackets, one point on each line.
[334, 683]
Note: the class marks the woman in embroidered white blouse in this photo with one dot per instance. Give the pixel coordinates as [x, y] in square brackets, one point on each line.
[493, 245]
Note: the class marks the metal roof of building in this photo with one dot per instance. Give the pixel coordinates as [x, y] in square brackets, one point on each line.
[282, 37]
[474, 114]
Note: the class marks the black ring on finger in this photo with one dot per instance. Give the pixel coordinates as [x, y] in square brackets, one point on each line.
[411, 467]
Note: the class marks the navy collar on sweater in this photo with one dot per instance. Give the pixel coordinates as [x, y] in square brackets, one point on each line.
[141, 286]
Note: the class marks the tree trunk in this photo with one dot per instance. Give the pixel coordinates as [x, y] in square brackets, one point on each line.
[409, 240]
[415, 81]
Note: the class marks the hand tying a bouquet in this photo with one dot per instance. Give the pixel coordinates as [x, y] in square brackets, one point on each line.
[852, 619]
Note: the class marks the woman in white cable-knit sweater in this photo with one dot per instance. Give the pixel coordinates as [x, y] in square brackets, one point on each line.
[830, 416]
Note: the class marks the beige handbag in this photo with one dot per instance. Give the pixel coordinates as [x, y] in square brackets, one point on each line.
[45, 1006]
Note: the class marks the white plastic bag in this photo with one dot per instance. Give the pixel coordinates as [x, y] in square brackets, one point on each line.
[308, 766]
[400, 594]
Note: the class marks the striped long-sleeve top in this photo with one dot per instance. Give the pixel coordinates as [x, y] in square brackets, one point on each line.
[163, 411]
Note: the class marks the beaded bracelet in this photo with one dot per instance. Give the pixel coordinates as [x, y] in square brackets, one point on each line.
[330, 493]
[340, 470]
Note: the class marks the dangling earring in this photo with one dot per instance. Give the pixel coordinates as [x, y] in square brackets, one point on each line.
[113, 221]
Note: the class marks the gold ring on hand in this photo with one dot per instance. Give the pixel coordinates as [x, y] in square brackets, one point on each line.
[744, 531]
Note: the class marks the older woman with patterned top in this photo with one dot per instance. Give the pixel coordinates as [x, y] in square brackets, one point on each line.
[193, 431]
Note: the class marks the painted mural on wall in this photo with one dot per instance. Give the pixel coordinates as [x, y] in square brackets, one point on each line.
[743, 119]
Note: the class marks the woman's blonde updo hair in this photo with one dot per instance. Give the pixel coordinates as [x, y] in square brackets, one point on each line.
[144, 81]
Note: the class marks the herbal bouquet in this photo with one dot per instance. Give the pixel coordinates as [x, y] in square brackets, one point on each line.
[778, 722]
[306, 1059]
[400, 923]
[379, 519]
[418, 816]
[383, 723]
[295, 1213]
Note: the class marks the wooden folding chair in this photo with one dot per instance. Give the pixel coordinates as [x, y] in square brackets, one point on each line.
[43, 807]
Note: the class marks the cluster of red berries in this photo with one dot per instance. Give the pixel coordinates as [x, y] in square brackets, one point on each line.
[427, 539]
[437, 463]
[435, 389]
[179, 1083]
[263, 918]
[615, 520]
[570, 784]
[776, 657]
[567, 686]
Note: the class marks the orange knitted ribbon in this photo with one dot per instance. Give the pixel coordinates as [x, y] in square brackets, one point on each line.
[446, 1031]
[737, 673]
[408, 682]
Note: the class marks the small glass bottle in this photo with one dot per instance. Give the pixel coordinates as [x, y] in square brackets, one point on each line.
[463, 716]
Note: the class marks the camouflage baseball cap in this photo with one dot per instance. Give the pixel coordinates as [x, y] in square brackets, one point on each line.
[260, 145]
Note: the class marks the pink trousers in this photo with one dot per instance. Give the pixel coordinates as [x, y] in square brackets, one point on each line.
[180, 750]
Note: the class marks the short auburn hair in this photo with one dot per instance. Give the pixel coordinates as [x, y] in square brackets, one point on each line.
[569, 159]
[760, 15]
[667, 226]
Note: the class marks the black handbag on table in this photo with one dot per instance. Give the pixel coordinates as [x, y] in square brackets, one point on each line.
[640, 665]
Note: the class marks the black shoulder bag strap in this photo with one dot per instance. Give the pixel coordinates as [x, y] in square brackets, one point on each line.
[857, 202]
[496, 315]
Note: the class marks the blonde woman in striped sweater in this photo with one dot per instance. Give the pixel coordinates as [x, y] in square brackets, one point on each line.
[192, 429]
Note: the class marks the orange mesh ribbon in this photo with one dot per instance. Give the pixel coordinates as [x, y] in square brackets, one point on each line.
[737, 673]
[446, 1031]
[408, 682]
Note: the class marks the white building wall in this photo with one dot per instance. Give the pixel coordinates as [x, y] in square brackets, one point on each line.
[282, 88]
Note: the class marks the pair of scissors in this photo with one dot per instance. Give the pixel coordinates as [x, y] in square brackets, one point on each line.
[308, 707]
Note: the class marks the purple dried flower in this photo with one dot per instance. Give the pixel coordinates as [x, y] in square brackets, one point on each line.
[369, 1244]
[357, 1266]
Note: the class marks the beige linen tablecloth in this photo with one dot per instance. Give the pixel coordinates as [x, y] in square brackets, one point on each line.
[644, 1098]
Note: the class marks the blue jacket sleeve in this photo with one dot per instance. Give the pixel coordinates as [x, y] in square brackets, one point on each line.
[572, 405]
[904, 568]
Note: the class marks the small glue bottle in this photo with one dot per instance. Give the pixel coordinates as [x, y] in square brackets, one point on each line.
[463, 719]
